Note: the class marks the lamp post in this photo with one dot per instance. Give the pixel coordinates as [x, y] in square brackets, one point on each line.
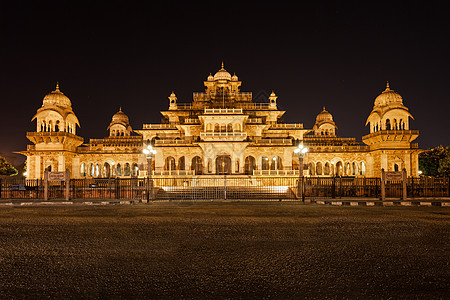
[149, 152]
[300, 151]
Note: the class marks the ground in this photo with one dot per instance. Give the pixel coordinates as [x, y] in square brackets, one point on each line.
[224, 250]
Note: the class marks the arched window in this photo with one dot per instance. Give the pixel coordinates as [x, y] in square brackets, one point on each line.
[339, 169]
[347, 169]
[265, 163]
[249, 165]
[362, 168]
[237, 127]
[319, 168]
[119, 170]
[57, 126]
[311, 169]
[327, 169]
[106, 170]
[197, 165]
[91, 170]
[353, 168]
[388, 124]
[127, 170]
[395, 167]
[216, 128]
[209, 127]
[97, 170]
[169, 164]
[135, 170]
[229, 127]
[276, 163]
[83, 170]
[181, 163]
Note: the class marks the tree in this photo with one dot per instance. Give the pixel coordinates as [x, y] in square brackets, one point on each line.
[435, 162]
[6, 168]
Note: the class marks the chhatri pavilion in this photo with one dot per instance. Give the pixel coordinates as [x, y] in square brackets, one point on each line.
[222, 131]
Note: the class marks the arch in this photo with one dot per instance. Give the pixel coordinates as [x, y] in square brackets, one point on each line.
[119, 170]
[216, 127]
[339, 169]
[169, 163]
[396, 168]
[362, 168]
[276, 163]
[91, 170]
[265, 165]
[182, 163]
[223, 164]
[388, 124]
[237, 127]
[327, 169]
[347, 169]
[311, 169]
[106, 170]
[209, 127]
[97, 170]
[197, 165]
[249, 165]
[127, 170]
[229, 127]
[134, 170]
[83, 170]
[354, 168]
[319, 168]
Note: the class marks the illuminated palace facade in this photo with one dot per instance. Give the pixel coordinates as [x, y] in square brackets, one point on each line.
[222, 131]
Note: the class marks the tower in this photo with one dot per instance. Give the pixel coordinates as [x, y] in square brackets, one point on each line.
[390, 135]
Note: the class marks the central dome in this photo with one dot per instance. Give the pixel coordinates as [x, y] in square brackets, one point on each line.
[120, 117]
[56, 97]
[222, 74]
[387, 97]
[324, 115]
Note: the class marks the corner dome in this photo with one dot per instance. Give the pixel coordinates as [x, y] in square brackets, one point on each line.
[388, 97]
[56, 97]
[222, 74]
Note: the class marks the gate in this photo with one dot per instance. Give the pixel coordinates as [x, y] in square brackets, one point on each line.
[224, 187]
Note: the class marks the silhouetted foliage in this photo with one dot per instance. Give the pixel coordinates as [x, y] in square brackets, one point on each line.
[435, 162]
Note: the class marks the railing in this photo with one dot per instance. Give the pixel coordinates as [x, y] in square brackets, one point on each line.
[223, 134]
[283, 126]
[392, 132]
[223, 110]
[254, 120]
[159, 126]
[191, 121]
[273, 141]
[172, 142]
[184, 185]
[276, 172]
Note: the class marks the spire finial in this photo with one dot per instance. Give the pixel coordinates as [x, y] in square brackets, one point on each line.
[324, 108]
[387, 85]
[57, 86]
[120, 108]
[222, 64]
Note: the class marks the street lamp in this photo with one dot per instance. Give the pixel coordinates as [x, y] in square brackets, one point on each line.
[300, 151]
[149, 152]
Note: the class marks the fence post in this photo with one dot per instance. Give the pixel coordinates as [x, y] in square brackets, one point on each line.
[46, 184]
[404, 179]
[67, 177]
[383, 186]
[333, 188]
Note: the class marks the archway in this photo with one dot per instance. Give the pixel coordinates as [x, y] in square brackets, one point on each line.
[223, 164]
[249, 165]
[197, 165]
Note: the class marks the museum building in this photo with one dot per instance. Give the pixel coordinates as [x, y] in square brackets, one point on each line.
[222, 131]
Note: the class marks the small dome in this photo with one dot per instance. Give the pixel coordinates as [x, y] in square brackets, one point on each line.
[222, 74]
[234, 77]
[56, 97]
[387, 97]
[210, 77]
[324, 115]
[120, 117]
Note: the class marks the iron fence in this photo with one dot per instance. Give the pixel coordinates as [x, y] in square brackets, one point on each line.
[223, 187]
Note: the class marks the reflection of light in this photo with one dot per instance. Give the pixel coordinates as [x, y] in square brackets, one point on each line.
[420, 172]
[25, 174]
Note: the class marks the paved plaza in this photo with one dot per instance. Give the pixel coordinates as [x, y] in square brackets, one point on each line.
[224, 250]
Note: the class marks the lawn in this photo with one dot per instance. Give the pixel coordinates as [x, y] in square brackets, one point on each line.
[224, 250]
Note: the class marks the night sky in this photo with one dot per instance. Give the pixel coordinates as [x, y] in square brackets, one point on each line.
[312, 54]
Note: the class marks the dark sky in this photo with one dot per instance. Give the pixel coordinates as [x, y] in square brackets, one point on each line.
[123, 53]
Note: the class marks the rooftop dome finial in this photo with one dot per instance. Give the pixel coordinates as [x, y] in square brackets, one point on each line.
[222, 65]
[57, 86]
[387, 85]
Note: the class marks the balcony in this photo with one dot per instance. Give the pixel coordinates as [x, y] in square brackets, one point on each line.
[223, 136]
[273, 142]
[166, 142]
[221, 111]
[287, 126]
[159, 126]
